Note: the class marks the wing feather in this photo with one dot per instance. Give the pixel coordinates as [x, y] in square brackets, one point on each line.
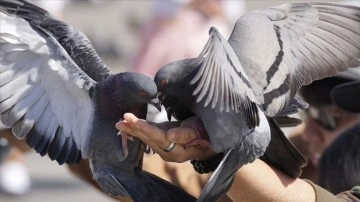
[57, 144]
[65, 151]
[43, 146]
[20, 109]
[24, 125]
[41, 127]
[221, 80]
[317, 40]
[43, 92]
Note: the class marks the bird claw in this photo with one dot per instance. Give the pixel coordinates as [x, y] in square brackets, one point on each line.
[148, 150]
[124, 142]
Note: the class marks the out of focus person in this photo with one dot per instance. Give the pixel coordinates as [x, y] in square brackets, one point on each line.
[339, 165]
[178, 30]
[323, 120]
[55, 7]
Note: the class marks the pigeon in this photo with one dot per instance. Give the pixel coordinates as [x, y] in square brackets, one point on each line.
[244, 88]
[58, 94]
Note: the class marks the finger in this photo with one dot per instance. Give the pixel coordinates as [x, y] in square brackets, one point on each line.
[140, 124]
[125, 127]
[136, 127]
[155, 138]
[124, 143]
[167, 125]
[181, 135]
[151, 135]
[130, 118]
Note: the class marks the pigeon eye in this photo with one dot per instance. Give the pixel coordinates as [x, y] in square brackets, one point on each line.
[163, 83]
[142, 93]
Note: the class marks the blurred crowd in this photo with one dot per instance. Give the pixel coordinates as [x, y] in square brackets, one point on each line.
[174, 30]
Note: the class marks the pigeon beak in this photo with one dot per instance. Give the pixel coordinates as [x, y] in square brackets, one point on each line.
[156, 103]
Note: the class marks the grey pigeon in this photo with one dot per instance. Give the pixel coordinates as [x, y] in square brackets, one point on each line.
[56, 93]
[240, 87]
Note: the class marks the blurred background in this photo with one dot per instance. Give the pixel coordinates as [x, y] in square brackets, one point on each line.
[124, 33]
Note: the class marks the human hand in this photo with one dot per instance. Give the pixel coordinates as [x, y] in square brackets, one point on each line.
[159, 136]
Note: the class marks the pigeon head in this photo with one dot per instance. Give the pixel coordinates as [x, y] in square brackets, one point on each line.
[175, 75]
[136, 88]
[173, 81]
[127, 92]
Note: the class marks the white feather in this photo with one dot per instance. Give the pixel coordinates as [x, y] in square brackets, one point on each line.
[40, 84]
[43, 122]
[11, 100]
[22, 107]
[22, 128]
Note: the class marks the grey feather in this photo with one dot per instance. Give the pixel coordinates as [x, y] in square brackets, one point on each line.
[321, 38]
[220, 58]
[57, 144]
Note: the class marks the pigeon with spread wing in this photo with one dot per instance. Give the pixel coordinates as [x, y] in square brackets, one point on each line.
[58, 94]
[243, 88]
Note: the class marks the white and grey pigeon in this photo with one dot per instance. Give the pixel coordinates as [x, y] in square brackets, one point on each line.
[240, 87]
[56, 93]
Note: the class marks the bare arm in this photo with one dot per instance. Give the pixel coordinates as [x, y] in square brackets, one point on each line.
[260, 182]
[253, 182]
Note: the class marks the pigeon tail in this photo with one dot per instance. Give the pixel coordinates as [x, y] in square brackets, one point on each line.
[296, 105]
[282, 154]
[287, 121]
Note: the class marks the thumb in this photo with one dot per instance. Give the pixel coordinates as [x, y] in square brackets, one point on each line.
[181, 135]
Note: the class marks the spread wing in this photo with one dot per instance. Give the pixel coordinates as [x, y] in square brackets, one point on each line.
[44, 94]
[285, 47]
[222, 82]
